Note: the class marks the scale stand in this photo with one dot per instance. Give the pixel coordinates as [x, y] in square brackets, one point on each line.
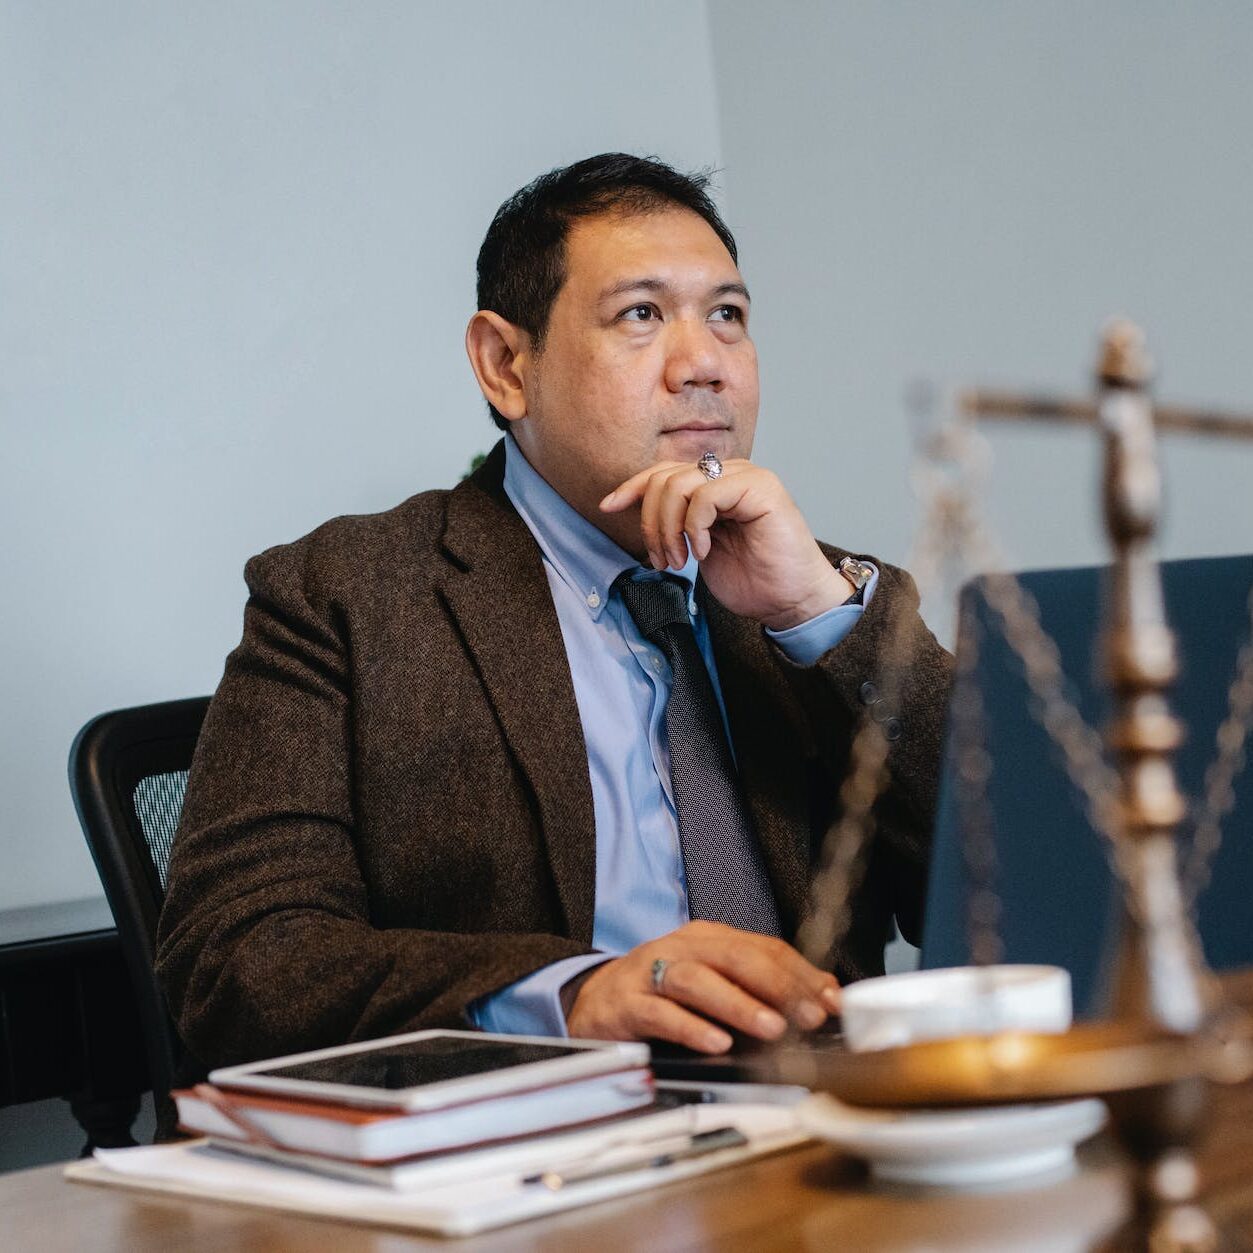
[1167, 1035]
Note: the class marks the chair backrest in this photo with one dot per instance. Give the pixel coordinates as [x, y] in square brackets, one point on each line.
[1057, 893]
[128, 775]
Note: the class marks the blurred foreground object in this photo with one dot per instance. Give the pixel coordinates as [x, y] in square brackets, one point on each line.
[1166, 1034]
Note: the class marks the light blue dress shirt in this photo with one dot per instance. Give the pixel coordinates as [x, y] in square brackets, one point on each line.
[621, 684]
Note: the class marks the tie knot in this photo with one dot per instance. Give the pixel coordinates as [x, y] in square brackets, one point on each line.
[654, 603]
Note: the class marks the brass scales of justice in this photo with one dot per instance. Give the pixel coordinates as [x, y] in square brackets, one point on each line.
[1167, 1036]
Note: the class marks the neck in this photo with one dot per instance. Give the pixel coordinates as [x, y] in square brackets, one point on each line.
[623, 528]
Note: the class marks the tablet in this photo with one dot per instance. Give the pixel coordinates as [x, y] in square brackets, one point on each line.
[427, 1070]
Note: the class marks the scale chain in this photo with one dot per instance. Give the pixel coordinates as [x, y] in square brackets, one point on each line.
[952, 534]
[1228, 761]
[1080, 743]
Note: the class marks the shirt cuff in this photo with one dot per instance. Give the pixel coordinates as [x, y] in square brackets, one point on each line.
[805, 643]
[532, 1006]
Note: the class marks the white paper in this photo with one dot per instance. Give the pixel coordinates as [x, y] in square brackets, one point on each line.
[457, 1208]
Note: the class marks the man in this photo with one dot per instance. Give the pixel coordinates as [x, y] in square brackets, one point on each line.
[459, 770]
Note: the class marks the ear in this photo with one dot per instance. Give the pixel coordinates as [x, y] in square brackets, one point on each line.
[499, 353]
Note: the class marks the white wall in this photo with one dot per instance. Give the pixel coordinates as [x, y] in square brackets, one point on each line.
[964, 192]
[237, 244]
[236, 250]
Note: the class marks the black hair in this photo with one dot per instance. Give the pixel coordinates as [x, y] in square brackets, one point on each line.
[521, 264]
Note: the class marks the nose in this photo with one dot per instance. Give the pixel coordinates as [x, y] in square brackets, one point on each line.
[693, 356]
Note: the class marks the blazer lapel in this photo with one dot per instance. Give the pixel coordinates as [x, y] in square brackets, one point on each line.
[498, 595]
[772, 747]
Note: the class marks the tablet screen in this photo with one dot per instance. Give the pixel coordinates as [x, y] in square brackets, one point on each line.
[419, 1062]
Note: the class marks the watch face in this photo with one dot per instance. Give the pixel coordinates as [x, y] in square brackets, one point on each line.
[857, 572]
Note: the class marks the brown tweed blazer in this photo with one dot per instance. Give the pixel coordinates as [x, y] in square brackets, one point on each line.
[390, 813]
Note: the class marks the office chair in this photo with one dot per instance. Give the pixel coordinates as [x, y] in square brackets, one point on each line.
[128, 776]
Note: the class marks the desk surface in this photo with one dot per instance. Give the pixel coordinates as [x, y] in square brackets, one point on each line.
[812, 1198]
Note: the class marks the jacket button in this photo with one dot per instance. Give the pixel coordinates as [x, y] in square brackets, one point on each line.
[892, 729]
[869, 693]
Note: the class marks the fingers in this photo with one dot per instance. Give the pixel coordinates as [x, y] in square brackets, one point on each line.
[662, 511]
[703, 989]
[768, 969]
[705, 506]
[714, 975]
[687, 505]
[661, 1018]
[805, 998]
[618, 1003]
[647, 1016]
[678, 506]
[626, 494]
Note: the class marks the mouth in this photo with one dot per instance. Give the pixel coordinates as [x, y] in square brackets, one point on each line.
[697, 427]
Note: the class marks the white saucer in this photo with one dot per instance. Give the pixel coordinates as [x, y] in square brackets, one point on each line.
[965, 1148]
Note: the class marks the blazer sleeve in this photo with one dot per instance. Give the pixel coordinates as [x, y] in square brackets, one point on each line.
[891, 669]
[265, 944]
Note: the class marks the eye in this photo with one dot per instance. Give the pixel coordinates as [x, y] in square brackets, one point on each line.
[640, 313]
[728, 313]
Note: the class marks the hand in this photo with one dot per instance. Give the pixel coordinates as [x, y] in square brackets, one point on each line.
[753, 983]
[757, 554]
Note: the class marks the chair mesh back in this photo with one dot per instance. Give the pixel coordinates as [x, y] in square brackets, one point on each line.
[158, 803]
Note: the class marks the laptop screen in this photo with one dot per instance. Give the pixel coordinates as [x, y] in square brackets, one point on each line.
[1059, 903]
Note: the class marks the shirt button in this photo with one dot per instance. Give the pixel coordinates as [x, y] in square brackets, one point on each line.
[869, 693]
[593, 599]
[657, 664]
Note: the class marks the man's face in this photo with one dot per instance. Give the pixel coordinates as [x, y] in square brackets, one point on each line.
[647, 358]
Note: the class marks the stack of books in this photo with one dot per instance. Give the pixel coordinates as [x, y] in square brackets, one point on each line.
[374, 1111]
[440, 1131]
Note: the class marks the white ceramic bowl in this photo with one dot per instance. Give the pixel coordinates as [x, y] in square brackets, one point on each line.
[963, 1148]
[894, 1010]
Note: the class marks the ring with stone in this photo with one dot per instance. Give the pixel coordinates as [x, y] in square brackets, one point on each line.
[659, 975]
[709, 465]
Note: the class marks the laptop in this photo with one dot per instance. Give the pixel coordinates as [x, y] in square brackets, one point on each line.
[1058, 896]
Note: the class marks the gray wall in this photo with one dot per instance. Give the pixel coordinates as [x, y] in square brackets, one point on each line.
[236, 263]
[964, 192]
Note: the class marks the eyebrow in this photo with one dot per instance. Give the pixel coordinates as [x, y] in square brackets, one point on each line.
[659, 285]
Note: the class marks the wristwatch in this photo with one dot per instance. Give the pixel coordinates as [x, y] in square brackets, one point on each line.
[858, 573]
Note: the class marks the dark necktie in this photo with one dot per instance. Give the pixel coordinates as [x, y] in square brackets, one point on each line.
[726, 879]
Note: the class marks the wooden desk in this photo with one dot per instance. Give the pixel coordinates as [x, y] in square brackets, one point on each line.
[810, 1199]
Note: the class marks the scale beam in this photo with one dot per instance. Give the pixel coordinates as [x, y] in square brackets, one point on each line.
[1006, 406]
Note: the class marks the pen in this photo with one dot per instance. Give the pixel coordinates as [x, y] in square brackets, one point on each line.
[697, 1146]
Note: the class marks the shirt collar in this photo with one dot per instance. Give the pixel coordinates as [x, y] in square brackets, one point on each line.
[584, 557]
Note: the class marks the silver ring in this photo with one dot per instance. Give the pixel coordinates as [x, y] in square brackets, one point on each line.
[659, 975]
[709, 465]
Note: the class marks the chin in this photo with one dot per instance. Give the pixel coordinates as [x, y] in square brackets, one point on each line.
[687, 445]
